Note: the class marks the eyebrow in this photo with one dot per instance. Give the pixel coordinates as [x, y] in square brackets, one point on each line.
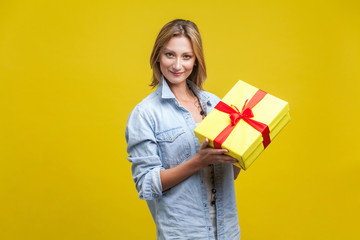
[166, 49]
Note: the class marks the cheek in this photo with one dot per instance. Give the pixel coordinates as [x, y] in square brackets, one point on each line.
[189, 65]
[164, 63]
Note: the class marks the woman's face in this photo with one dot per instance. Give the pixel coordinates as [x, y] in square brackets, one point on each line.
[177, 60]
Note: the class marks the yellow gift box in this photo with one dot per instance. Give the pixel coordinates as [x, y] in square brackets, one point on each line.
[244, 122]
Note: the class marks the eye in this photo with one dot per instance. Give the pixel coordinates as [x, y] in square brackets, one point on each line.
[187, 56]
[169, 54]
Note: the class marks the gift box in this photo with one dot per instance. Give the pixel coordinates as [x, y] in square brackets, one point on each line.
[244, 122]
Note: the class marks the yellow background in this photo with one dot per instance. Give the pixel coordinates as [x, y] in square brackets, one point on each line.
[71, 72]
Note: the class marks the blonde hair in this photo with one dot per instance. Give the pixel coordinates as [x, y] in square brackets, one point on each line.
[179, 27]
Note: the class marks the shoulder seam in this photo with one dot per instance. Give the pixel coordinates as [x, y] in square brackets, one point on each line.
[144, 115]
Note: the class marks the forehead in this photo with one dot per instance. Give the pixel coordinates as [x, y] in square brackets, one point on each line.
[179, 44]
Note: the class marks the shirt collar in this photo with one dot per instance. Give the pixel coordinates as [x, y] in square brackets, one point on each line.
[165, 91]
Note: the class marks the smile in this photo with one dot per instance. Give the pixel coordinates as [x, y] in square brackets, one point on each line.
[177, 73]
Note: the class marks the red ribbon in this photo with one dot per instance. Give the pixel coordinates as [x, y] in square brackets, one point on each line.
[246, 114]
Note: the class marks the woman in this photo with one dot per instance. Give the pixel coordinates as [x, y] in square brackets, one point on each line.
[189, 187]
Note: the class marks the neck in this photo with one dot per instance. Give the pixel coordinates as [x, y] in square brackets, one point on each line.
[181, 91]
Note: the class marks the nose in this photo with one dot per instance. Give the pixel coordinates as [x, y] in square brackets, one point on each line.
[177, 64]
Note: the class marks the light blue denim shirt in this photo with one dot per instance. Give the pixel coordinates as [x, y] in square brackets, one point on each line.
[160, 135]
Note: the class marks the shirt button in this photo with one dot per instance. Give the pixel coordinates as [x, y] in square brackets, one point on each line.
[209, 229]
[170, 138]
[205, 205]
[187, 118]
[220, 223]
[220, 200]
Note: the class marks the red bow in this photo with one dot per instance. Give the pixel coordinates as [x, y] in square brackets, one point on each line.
[246, 114]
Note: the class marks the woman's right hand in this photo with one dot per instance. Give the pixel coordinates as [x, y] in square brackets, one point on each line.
[208, 155]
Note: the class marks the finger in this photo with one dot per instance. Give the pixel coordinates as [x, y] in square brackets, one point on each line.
[228, 159]
[234, 160]
[204, 144]
[218, 151]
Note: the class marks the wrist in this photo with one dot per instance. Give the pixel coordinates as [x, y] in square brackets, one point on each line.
[196, 163]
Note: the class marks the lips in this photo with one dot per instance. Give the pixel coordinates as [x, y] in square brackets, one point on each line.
[177, 73]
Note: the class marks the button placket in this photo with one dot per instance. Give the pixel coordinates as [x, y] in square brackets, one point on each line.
[213, 190]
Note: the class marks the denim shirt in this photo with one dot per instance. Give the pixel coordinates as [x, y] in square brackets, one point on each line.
[160, 135]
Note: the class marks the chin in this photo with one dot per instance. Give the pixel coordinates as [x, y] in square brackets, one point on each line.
[175, 80]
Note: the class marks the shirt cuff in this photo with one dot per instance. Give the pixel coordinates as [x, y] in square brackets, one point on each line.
[153, 183]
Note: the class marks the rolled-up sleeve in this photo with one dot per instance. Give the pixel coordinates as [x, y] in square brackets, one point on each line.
[143, 154]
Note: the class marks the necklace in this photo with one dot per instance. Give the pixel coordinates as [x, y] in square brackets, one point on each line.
[197, 104]
[213, 190]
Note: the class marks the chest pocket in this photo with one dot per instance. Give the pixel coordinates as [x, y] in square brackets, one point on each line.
[174, 146]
